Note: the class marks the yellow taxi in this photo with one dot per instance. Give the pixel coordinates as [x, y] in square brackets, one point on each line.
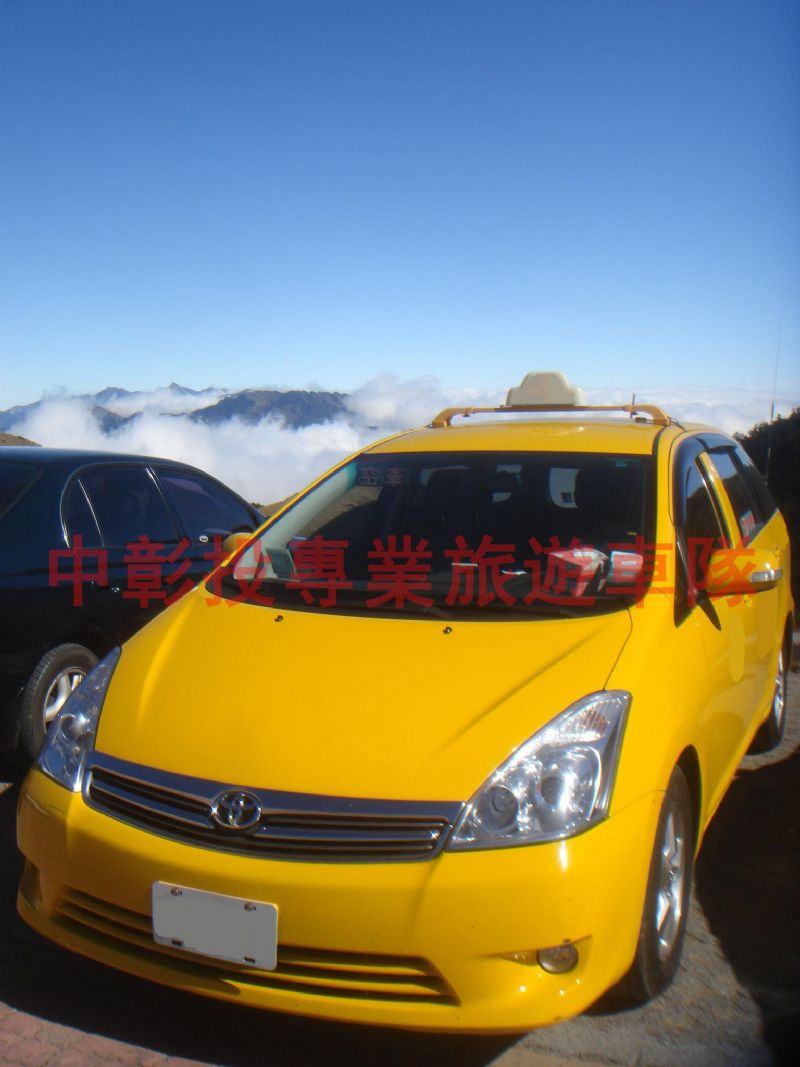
[435, 748]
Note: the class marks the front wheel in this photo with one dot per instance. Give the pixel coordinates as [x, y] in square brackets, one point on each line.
[666, 905]
[55, 676]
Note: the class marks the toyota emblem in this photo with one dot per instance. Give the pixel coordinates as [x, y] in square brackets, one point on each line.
[236, 810]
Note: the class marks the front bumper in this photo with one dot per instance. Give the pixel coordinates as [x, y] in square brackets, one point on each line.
[445, 944]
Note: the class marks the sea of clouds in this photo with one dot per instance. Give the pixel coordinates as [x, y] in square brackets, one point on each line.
[266, 462]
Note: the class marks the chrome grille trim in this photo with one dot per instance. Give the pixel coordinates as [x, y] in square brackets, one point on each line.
[292, 825]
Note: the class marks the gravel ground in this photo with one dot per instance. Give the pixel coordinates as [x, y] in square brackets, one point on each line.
[736, 1001]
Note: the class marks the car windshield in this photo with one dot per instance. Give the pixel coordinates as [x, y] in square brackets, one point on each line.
[458, 534]
[14, 480]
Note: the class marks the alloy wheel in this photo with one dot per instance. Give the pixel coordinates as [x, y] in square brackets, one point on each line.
[60, 689]
[671, 881]
[779, 699]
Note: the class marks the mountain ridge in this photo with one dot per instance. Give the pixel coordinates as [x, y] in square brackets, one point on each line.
[291, 408]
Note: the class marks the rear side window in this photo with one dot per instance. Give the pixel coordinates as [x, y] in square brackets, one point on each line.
[204, 508]
[78, 518]
[15, 478]
[128, 505]
[749, 514]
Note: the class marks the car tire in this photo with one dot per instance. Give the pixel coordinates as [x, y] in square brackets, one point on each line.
[666, 907]
[771, 731]
[54, 677]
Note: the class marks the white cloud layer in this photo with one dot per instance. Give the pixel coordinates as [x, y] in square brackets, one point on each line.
[266, 462]
[729, 409]
[391, 404]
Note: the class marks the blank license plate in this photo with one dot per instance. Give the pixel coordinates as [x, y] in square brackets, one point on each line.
[227, 928]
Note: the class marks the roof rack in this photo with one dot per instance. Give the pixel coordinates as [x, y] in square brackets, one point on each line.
[550, 391]
[657, 416]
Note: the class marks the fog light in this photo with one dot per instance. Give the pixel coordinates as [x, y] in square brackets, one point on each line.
[559, 959]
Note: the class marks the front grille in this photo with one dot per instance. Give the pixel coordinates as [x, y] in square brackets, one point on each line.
[315, 972]
[291, 826]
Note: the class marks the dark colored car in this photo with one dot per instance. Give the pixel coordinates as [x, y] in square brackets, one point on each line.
[92, 546]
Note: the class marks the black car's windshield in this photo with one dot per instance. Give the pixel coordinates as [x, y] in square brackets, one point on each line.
[454, 534]
[14, 480]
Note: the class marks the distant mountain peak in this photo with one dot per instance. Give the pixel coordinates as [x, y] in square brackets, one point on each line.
[292, 408]
[184, 390]
[111, 392]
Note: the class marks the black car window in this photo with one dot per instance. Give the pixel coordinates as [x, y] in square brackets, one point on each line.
[508, 535]
[204, 508]
[127, 504]
[15, 478]
[749, 514]
[703, 531]
[78, 518]
[758, 487]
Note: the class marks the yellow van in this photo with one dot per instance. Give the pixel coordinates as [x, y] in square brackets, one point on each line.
[437, 746]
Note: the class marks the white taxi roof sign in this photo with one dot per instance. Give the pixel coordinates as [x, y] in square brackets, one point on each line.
[544, 387]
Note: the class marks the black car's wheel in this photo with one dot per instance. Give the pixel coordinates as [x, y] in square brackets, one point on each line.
[770, 733]
[666, 904]
[56, 675]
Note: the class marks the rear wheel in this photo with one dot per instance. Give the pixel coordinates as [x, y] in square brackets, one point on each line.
[56, 675]
[666, 906]
[770, 733]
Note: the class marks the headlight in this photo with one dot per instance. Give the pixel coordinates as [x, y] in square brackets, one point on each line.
[70, 739]
[555, 785]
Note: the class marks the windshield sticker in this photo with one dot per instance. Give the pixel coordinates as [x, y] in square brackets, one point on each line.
[396, 476]
[369, 475]
[748, 524]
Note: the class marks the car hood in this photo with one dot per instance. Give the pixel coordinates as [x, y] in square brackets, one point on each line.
[361, 706]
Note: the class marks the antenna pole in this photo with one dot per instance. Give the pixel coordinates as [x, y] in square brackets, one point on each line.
[772, 405]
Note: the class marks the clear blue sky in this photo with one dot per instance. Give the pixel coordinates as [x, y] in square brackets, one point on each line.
[283, 192]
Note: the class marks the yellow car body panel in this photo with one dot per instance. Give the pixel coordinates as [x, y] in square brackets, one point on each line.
[355, 730]
[411, 709]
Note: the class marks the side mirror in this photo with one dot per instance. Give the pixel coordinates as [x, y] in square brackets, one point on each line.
[740, 570]
[233, 542]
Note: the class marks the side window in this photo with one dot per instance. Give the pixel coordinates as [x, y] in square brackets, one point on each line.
[758, 486]
[15, 479]
[702, 527]
[749, 515]
[78, 518]
[127, 504]
[205, 509]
